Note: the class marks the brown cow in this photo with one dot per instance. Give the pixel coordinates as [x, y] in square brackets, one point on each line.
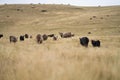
[45, 37]
[39, 38]
[55, 38]
[66, 35]
[13, 39]
[26, 36]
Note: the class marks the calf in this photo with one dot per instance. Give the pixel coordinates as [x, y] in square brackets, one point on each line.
[84, 41]
[95, 43]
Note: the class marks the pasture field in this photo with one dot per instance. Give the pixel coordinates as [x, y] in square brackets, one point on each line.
[64, 59]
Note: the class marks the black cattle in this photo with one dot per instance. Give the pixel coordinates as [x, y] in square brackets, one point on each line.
[66, 35]
[1, 35]
[55, 38]
[26, 36]
[39, 38]
[21, 38]
[84, 41]
[95, 43]
[45, 37]
[13, 39]
[51, 35]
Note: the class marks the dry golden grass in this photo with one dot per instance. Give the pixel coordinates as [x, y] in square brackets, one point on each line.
[64, 59]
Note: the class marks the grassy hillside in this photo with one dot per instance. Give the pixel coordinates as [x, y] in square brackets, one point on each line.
[64, 59]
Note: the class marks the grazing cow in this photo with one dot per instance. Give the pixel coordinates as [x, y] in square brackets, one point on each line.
[95, 43]
[13, 39]
[1, 35]
[84, 41]
[55, 38]
[39, 38]
[21, 38]
[45, 37]
[51, 35]
[66, 35]
[26, 36]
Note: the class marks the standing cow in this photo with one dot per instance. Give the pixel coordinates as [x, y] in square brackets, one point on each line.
[21, 38]
[39, 38]
[84, 41]
[13, 39]
[95, 43]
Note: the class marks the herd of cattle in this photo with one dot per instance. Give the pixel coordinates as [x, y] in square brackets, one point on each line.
[40, 38]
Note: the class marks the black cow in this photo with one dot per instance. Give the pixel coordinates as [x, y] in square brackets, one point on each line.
[39, 38]
[13, 39]
[1, 35]
[51, 35]
[45, 37]
[84, 41]
[21, 38]
[95, 43]
[26, 35]
[66, 35]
